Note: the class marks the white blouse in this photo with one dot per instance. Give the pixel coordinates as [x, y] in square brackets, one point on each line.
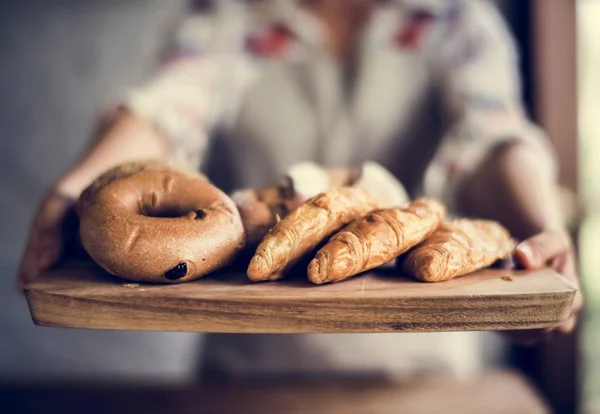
[247, 91]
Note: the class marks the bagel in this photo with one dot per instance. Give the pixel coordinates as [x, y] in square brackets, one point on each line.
[152, 222]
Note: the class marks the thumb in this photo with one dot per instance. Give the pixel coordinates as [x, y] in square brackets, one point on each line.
[536, 251]
[49, 254]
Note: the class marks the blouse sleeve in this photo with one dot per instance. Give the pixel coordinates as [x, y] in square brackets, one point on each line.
[182, 99]
[477, 63]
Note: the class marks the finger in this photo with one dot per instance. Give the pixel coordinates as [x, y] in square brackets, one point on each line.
[28, 269]
[49, 250]
[575, 308]
[48, 257]
[536, 251]
[577, 302]
[569, 326]
[42, 251]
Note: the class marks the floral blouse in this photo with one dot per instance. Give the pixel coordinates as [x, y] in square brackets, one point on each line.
[247, 91]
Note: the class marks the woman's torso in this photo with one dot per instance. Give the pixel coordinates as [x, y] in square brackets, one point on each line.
[291, 104]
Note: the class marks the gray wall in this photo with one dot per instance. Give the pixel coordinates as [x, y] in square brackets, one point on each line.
[59, 62]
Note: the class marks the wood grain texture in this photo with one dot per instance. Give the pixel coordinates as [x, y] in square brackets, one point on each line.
[83, 296]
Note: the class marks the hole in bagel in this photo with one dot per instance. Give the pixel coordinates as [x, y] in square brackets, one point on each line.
[184, 203]
[165, 213]
[172, 211]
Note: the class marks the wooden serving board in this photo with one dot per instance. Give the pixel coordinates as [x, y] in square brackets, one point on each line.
[83, 296]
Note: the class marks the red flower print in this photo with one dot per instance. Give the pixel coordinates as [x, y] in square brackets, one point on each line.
[411, 32]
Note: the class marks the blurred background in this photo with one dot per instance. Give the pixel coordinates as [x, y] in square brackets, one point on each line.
[62, 61]
[588, 42]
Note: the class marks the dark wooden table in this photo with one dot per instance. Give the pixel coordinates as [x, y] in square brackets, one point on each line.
[498, 392]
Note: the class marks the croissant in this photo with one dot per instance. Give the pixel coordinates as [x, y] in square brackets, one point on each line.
[458, 248]
[305, 228]
[374, 240]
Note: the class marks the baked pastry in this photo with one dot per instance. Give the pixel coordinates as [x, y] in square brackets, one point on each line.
[458, 248]
[151, 222]
[374, 240]
[261, 208]
[305, 228]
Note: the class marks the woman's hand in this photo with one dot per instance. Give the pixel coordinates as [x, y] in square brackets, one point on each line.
[550, 248]
[121, 137]
[53, 225]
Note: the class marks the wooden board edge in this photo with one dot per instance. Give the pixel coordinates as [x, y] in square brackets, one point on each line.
[45, 309]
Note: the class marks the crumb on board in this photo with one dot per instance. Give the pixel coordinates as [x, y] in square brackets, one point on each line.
[507, 278]
[131, 285]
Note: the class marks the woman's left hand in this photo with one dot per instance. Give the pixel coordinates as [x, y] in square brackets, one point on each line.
[551, 248]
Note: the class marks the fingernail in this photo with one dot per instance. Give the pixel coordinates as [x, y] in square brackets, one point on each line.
[525, 252]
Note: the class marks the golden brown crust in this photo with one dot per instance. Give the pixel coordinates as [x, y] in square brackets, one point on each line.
[374, 240]
[262, 208]
[458, 248]
[150, 222]
[305, 228]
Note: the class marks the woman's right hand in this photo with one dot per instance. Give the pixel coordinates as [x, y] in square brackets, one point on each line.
[53, 226]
